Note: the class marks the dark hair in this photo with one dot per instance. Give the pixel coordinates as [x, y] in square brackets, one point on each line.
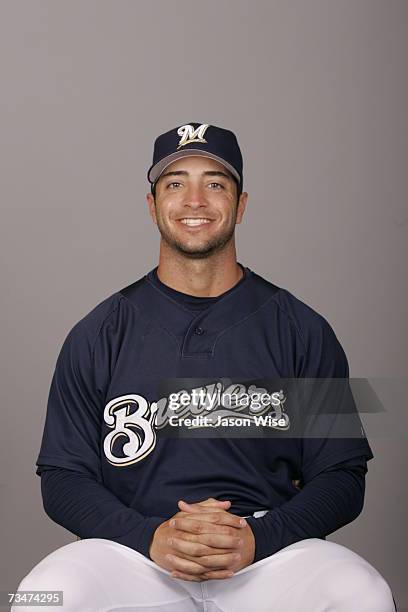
[238, 184]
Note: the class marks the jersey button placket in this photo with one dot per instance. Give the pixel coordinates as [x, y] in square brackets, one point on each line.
[199, 339]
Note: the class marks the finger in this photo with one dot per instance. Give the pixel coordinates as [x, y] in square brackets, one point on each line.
[200, 509]
[181, 576]
[212, 500]
[205, 543]
[206, 504]
[193, 549]
[222, 517]
[214, 522]
[227, 561]
[185, 507]
[185, 565]
[222, 502]
[203, 506]
[220, 540]
[217, 575]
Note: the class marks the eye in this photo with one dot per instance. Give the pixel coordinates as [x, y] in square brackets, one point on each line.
[219, 185]
[173, 183]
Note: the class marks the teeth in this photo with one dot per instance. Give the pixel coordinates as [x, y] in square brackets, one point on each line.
[194, 221]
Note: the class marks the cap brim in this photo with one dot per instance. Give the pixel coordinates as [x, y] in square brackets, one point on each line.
[156, 170]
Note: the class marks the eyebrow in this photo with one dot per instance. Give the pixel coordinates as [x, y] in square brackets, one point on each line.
[206, 173]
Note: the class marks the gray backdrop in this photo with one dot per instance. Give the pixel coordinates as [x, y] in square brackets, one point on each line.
[317, 93]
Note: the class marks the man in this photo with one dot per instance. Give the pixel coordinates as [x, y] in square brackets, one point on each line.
[175, 511]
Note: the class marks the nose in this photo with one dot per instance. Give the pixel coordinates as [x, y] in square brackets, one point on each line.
[195, 197]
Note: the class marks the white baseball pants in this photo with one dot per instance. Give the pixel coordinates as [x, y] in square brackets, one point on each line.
[313, 575]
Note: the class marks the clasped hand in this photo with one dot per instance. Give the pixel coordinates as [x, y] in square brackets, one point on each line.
[203, 541]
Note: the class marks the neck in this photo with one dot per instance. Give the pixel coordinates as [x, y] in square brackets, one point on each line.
[206, 277]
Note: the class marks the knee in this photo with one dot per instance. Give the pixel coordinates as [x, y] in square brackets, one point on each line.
[359, 586]
[63, 574]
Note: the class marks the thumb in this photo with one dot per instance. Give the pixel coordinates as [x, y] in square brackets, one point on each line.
[211, 502]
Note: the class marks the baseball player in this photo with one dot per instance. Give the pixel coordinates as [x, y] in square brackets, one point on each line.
[145, 454]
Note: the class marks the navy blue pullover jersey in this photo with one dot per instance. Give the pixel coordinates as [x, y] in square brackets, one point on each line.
[100, 444]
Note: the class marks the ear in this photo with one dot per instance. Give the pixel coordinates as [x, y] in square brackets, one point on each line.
[151, 206]
[243, 199]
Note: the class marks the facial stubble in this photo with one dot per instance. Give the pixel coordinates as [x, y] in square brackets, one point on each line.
[212, 245]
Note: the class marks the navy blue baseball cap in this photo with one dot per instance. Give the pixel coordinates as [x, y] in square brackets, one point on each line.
[196, 139]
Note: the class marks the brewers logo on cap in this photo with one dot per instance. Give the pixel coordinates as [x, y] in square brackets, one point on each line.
[189, 134]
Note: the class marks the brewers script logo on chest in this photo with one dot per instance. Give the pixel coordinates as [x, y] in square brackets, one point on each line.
[134, 421]
[189, 134]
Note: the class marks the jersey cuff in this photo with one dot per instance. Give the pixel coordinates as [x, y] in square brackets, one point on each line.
[140, 538]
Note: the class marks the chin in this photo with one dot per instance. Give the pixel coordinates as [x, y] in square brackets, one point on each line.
[194, 253]
[199, 250]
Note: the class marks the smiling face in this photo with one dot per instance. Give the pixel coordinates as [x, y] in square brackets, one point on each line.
[196, 206]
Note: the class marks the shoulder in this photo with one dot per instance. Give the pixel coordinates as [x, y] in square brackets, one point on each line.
[111, 314]
[90, 324]
[318, 342]
[310, 323]
[306, 320]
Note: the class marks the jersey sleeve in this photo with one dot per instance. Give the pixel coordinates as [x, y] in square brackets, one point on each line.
[73, 492]
[72, 426]
[332, 429]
